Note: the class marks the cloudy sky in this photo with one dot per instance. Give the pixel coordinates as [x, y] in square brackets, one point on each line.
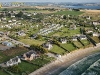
[49, 0]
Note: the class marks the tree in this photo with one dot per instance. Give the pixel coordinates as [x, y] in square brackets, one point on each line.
[20, 14]
[15, 69]
[39, 48]
[64, 17]
[39, 37]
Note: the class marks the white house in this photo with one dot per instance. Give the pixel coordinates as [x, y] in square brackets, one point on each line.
[88, 17]
[63, 40]
[12, 16]
[95, 34]
[74, 38]
[9, 21]
[73, 27]
[47, 45]
[89, 31]
[21, 33]
[4, 19]
[96, 23]
[82, 37]
[13, 61]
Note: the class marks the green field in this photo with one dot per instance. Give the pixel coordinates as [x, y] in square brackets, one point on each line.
[78, 44]
[25, 66]
[85, 42]
[67, 32]
[2, 72]
[31, 41]
[96, 39]
[68, 46]
[57, 50]
[41, 11]
[69, 12]
[6, 55]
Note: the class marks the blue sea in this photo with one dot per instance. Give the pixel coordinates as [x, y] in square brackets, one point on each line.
[87, 66]
[83, 7]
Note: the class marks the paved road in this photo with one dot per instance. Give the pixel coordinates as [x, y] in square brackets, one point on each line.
[17, 42]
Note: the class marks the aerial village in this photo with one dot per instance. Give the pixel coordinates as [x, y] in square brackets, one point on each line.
[30, 38]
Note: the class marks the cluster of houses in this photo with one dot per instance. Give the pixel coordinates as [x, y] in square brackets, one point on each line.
[50, 29]
[6, 42]
[10, 23]
[92, 32]
[29, 56]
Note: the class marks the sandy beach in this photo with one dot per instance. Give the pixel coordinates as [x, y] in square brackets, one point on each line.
[93, 11]
[58, 66]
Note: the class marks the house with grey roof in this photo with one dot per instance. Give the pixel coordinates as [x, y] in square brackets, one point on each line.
[13, 61]
[6, 43]
[82, 37]
[63, 40]
[47, 45]
[29, 55]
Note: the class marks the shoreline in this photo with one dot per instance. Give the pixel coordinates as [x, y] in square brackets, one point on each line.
[58, 66]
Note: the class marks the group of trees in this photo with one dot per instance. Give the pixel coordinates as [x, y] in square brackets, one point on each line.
[38, 48]
[14, 69]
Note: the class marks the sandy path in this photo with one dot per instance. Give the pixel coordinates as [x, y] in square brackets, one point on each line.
[68, 59]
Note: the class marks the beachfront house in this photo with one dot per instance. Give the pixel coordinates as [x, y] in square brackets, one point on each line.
[63, 40]
[95, 34]
[96, 23]
[29, 55]
[13, 61]
[82, 37]
[89, 31]
[47, 45]
[74, 38]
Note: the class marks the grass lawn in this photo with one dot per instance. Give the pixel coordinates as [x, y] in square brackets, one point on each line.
[68, 46]
[78, 44]
[69, 12]
[31, 41]
[41, 11]
[43, 60]
[57, 50]
[37, 63]
[85, 42]
[3, 72]
[67, 32]
[96, 39]
[25, 66]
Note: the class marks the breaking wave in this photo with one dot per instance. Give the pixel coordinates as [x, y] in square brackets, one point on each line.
[87, 66]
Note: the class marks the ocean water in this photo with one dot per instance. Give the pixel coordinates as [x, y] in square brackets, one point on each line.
[84, 7]
[87, 66]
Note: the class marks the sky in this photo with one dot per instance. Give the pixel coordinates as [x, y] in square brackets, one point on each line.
[49, 0]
